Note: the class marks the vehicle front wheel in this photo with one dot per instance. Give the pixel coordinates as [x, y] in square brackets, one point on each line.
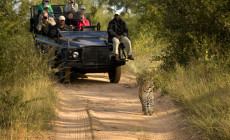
[64, 75]
[115, 74]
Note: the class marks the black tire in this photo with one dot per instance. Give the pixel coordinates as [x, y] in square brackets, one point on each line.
[64, 75]
[115, 74]
[61, 75]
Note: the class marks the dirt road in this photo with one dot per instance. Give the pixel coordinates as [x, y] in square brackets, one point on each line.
[93, 108]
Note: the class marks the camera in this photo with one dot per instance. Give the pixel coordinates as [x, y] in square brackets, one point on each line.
[81, 18]
[44, 17]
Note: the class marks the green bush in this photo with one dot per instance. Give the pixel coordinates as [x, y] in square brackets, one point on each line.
[27, 97]
[188, 26]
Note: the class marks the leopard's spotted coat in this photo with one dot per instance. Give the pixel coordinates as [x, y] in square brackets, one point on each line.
[146, 96]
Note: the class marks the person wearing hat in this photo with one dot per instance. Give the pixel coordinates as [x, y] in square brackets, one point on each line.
[79, 13]
[46, 8]
[41, 7]
[118, 32]
[71, 6]
[61, 26]
[45, 23]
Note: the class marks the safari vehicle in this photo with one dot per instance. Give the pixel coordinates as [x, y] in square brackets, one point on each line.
[85, 51]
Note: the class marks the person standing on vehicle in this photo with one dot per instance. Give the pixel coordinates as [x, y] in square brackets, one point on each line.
[118, 32]
[82, 22]
[46, 8]
[71, 6]
[61, 26]
[41, 7]
[45, 23]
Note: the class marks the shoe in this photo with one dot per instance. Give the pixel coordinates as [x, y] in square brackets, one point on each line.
[130, 57]
[117, 57]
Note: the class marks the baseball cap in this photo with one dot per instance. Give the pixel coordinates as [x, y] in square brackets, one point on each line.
[61, 18]
[117, 13]
[46, 0]
[46, 6]
[83, 7]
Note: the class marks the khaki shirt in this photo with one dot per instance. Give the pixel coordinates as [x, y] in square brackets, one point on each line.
[41, 24]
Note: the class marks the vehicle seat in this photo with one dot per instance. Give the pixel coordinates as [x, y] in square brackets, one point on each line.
[57, 11]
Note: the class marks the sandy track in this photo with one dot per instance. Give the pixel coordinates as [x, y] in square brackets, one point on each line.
[93, 108]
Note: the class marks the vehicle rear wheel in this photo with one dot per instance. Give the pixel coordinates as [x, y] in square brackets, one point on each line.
[115, 74]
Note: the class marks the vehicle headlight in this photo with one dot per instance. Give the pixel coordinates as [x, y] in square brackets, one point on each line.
[75, 55]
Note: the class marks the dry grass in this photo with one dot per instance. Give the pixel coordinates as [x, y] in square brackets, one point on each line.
[27, 97]
[202, 88]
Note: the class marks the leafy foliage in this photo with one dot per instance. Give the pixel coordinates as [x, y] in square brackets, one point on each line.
[195, 29]
[26, 94]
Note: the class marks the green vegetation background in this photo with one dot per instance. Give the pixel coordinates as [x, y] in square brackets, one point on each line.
[183, 46]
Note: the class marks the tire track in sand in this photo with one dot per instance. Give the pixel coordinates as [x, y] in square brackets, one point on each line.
[115, 112]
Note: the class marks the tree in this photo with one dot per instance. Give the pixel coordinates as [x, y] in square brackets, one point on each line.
[195, 29]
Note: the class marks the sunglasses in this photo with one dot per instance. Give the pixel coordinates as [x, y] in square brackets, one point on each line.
[117, 15]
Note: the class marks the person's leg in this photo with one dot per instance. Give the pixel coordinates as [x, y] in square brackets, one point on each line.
[127, 44]
[116, 43]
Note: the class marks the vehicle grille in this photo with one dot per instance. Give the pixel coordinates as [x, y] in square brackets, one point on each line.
[96, 56]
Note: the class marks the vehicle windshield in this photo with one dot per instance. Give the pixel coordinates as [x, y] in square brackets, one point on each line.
[79, 35]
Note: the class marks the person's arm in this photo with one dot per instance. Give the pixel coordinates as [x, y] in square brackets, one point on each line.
[86, 22]
[75, 7]
[51, 21]
[66, 7]
[79, 24]
[51, 10]
[110, 30]
[70, 28]
[39, 26]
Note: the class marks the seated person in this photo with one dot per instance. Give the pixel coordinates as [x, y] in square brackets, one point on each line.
[45, 23]
[79, 13]
[41, 7]
[46, 8]
[61, 26]
[70, 21]
[82, 22]
[118, 32]
[71, 6]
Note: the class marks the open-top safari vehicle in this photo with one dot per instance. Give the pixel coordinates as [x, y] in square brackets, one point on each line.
[86, 51]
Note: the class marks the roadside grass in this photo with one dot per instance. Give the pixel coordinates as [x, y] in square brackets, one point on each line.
[202, 89]
[27, 95]
[144, 48]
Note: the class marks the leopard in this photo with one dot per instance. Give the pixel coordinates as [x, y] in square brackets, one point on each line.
[146, 95]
